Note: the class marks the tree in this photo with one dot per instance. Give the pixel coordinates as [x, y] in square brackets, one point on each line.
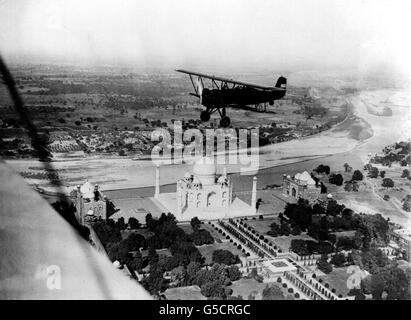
[299, 214]
[192, 270]
[323, 264]
[338, 259]
[152, 256]
[357, 293]
[178, 274]
[387, 183]
[119, 252]
[185, 252]
[336, 179]
[405, 173]
[323, 169]
[285, 229]
[133, 223]
[295, 230]
[334, 208]
[135, 241]
[225, 257]
[382, 174]
[137, 262]
[106, 232]
[234, 273]
[348, 186]
[150, 222]
[346, 166]
[167, 263]
[213, 289]
[373, 172]
[154, 283]
[357, 176]
[299, 247]
[121, 223]
[406, 204]
[377, 286]
[200, 237]
[195, 223]
[272, 292]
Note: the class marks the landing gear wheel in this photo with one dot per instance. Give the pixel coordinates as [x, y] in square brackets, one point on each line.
[225, 122]
[204, 116]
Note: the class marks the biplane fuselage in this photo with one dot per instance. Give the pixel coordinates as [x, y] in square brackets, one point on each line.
[239, 97]
[230, 93]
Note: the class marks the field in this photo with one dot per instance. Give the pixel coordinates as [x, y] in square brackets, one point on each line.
[371, 198]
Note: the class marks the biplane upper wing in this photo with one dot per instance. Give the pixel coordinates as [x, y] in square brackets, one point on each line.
[191, 73]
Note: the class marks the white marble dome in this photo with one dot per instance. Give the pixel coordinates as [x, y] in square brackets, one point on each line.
[205, 170]
[87, 190]
[305, 177]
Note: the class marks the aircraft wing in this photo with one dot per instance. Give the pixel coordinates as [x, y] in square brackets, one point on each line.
[206, 76]
[43, 257]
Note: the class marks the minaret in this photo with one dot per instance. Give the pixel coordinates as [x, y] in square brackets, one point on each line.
[80, 205]
[254, 195]
[157, 187]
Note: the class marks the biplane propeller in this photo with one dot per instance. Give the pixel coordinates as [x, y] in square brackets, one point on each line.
[226, 93]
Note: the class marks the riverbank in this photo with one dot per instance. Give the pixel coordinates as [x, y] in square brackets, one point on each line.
[361, 133]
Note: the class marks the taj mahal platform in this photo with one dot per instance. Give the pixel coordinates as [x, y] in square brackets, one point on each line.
[201, 193]
[168, 202]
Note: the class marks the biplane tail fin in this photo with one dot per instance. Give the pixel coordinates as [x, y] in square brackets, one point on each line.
[281, 83]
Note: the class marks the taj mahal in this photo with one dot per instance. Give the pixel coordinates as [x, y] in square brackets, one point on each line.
[201, 193]
[204, 194]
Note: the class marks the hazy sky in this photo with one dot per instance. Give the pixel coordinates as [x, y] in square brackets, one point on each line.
[221, 33]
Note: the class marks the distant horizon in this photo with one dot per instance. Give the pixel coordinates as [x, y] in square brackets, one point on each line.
[220, 36]
[383, 76]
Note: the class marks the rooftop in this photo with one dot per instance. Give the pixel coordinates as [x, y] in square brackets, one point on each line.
[184, 293]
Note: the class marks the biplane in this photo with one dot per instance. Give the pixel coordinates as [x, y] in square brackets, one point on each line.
[226, 93]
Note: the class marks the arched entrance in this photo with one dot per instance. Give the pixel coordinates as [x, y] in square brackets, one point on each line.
[211, 199]
[293, 192]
